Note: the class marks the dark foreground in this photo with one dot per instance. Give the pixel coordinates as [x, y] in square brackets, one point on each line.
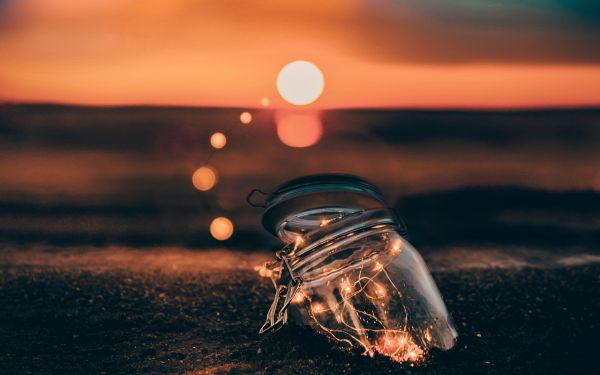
[175, 313]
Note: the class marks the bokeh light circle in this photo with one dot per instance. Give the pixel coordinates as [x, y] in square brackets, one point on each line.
[299, 129]
[221, 228]
[300, 82]
[204, 178]
[218, 140]
[246, 118]
[265, 102]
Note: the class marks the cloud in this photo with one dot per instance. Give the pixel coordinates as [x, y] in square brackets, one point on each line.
[413, 31]
[469, 31]
[226, 52]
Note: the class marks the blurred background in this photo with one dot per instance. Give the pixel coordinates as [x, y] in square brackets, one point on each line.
[477, 120]
[88, 175]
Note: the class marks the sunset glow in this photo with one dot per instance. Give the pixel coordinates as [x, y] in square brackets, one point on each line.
[299, 129]
[203, 54]
[265, 102]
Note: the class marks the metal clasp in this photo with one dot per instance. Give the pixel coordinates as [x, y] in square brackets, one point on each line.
[257, 204]
[277, 315]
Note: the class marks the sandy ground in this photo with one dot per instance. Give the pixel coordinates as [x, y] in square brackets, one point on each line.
[170, 310]
[504, 205]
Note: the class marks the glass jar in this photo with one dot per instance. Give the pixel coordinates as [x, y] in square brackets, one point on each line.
[347, 271]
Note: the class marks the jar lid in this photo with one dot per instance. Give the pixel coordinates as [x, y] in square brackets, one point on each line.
[331, 190]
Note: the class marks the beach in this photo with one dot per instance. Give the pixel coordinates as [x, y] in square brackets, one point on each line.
[107, 264]
[93, 310]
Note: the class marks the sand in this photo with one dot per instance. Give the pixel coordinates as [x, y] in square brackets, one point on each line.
[96, 310]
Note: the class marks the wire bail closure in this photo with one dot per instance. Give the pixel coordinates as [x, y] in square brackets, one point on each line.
[252, 193]
[277, 315]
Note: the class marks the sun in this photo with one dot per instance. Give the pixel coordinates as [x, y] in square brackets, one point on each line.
[300, 82]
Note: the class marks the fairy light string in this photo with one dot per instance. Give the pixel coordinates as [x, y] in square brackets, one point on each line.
[355, 289]
[397, 344]
[206, 176]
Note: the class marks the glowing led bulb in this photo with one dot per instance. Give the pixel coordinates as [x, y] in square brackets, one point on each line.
[218, 140]
[298, 297]
[379, 290]
[298, 241]
[324, 222]
[396, 244]
[246, 118]
[263, 271]
[204, 178]
[317, 308]
[221, 228]
[346, 288]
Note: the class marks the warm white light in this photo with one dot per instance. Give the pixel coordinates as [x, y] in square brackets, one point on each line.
[221, 228]
[298, 297]
[246, 118]
[263, 270]
[298, 241]
[204, 178]
[396, 246]
[300, 82]
[346, 287]
[380, 291]
[265, 102]
[317, 308]
[218, 140]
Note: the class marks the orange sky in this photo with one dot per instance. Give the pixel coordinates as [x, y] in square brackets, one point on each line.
[227, 53]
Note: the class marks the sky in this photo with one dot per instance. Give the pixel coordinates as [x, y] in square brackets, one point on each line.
[373, 53]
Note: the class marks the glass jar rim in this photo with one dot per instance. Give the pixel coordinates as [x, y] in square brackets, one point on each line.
[331, 190]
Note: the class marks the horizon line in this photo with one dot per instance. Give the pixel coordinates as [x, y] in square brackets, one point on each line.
[517, 108]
